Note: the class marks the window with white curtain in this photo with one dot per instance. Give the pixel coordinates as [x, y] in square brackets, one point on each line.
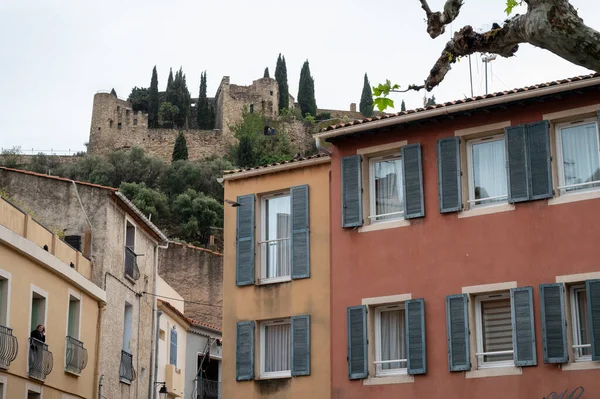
[275, 348]
[390, 340]
[486, 159]
[582, 347]
[494, 330]
[386, 191]
[578, 156]
[276, 237]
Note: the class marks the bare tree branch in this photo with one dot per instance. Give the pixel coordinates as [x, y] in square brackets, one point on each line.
[437, 21]
[410, 87]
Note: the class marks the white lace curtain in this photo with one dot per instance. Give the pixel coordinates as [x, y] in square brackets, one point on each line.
[392, 339]
[278, 235]
[277, 347]
[388, 188]
[489, 171]
[580, 155]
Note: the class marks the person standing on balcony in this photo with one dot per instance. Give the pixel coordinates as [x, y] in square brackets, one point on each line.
[35, 354]
[39, 333]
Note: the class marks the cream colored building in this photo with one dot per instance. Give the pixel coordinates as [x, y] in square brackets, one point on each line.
[45, 281]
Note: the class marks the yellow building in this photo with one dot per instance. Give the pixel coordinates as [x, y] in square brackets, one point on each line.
[276, 314]
[45, 281]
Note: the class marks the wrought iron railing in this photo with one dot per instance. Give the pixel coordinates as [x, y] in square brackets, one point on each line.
[131, 267]
[9, 347]
[41, 360]
[76, 356]
[208, 389]
[278, 257]
[127, 371]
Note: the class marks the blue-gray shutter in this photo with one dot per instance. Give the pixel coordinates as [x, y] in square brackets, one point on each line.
[300, 345]
[592, 288]
[351, 191]
[523, 326]
[457, 330]
[540, 165]
[449, 176]
[415, 336]
[244, 357]
[412, 181]
[244, 260]
[554, 325]
[515, 138]
[357, 342]
[300, 232]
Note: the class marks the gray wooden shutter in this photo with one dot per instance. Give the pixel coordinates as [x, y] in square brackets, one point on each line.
[540, 165]
[357, 342]
[457, 329]
[244, 358]
[412, 181]
[300, 345]
[415, 336]
[592, 288]
[554, 326]
[244, 260]
[516, 155]
[352, 191]
[523, 326]
[449, 176]
[300, 232]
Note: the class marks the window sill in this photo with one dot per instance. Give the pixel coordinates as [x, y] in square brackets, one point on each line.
[275, 280]
[131, 279]
[72, 373]
[589, 365]
[124, 381]
[494, 372]
[393, 379]
[276, 376]
[574, 197]
[486, 210]
[384, 225]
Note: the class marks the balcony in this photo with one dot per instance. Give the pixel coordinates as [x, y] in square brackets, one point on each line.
[208, 389]
[131, 268]
[40, 360]
[9, 347]
[174, 381]
[127, 371]
[76, 356]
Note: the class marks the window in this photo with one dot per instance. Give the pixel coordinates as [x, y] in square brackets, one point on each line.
[135, 122]
[119, 125]
[131, 268]
[487, 171]
[251, 108]
[4, 298]
[127, 113]
[118, 108]
[173, 348]
[386, 191]
[578, 156]
[74, 317]
[390, 340]
[127, 327]
[275, 348]
[38, 310]
[110, 123]
[276, 237]
[494, 330]
[581, 326]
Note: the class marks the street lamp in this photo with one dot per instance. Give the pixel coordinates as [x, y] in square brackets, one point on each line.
[162, 392]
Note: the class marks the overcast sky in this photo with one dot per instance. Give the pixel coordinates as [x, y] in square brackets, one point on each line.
[56, 54]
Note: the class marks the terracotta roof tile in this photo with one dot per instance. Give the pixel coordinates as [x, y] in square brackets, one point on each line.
[26, 172]
[183, 316]
[294, 160]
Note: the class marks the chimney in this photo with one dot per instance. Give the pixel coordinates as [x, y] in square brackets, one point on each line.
[353, 107]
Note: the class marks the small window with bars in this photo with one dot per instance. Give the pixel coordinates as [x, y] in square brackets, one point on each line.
[494, 330]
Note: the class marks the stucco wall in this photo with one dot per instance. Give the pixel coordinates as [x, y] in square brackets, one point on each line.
[196, 343]
[164, 351]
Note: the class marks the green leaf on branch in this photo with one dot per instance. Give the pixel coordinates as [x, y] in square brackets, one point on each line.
[380, 94]
[382, 103]
[510, 5]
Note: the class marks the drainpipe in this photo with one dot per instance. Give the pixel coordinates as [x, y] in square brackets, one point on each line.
[155, 323]
[155, 369]
[99, 378]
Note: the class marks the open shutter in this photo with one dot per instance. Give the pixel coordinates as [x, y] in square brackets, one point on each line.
[300, 345]
[415, 336]
[357, 342]
[592, 288]
[300, 233]
[244, 260]
[523, 326]
[244, 358]
[351, 191]
[412, 181]
[516, 154]
[554, 326]
[457, 329]
[540, 166]
[449, 182]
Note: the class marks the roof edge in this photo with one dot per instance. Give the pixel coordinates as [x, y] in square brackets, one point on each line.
[277, 168]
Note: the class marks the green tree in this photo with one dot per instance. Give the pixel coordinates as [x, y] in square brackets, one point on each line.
[139, 99]
[180, 151]
[266, 75]
[169, 89]
[151, 202]
[91, 168]
[245, 156]
[403, 106]
[10, 157]
[153, 100]
[366, 99]
[199, 175]
[181, 98]
[282, 82]
[42, 163]
[195, 214]
[167, 113]
[306, 91]
[204, 109]
[135, 166]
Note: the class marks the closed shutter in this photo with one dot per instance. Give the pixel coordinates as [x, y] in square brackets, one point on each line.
[457, 329]
[592, 288]
[351, 191]
[357, 342]
[244, 358]
[540, 166]
[300, 345]
[412, 180]
[244, 260]
[415, 336]
[516, 154]
[554, 331]
[523, 326]
[449, 182]
[300, 232]
[173, 349]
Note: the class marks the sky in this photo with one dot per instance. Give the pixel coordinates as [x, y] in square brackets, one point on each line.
[56, 54]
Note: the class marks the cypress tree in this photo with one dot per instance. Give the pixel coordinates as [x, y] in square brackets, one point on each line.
[181, 98]
[153, 100]
[366, 99]
[306, 92]
[281, 77]
[202, 107]
[403, 106]
[180, 151]
[169, 90]
[266, 75]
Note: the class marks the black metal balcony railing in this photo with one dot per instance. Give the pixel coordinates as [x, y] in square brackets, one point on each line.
[76, 356]
[208, 389]
[131, 267]
[127, 370]
[9, 347]
[40, 359]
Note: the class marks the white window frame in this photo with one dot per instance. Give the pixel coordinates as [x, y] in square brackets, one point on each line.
[273, 374]
[561, 172]
[126, 344]
[263, 238]
[575, 322]
[77, 297]
[372, 200]
[479, 327]
[171, 331]
[3, 382]
[471, 173]
[378, 311]
[37, 290]
[6, 276]
[33, 388]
